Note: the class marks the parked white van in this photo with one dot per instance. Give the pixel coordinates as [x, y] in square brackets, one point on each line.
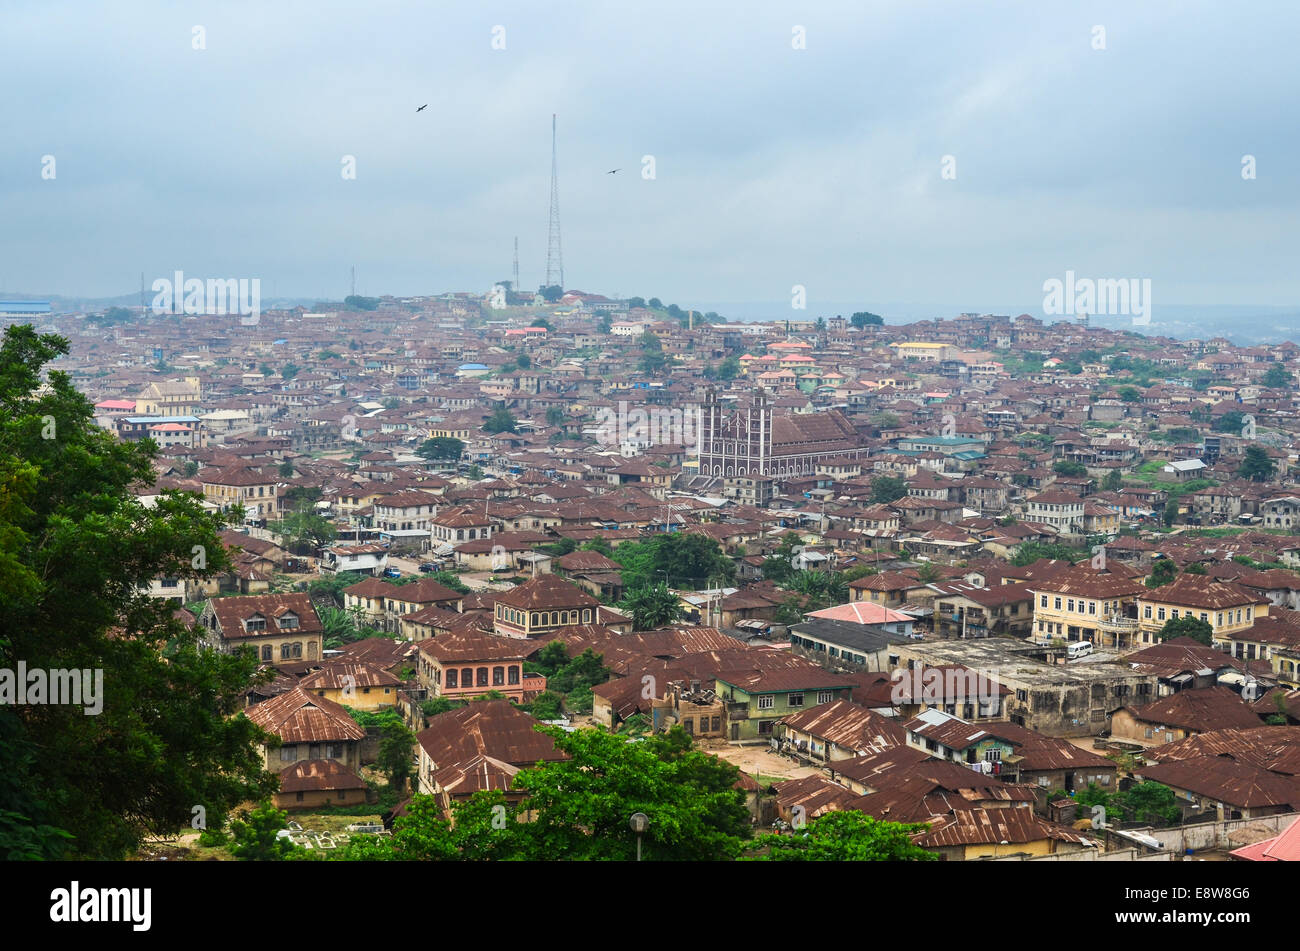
[1078, 649]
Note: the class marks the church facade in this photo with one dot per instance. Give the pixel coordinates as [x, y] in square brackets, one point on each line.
[752, 440]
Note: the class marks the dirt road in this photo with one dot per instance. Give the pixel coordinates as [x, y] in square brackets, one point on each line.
[761, 760]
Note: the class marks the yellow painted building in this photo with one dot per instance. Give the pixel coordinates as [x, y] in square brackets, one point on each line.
[169, 398]
[921, 350]
[1227, 608]
[1083, 605]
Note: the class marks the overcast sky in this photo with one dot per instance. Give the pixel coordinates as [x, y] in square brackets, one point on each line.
[774, 166]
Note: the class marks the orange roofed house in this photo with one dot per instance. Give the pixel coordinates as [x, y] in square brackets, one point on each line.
[464, 664]
[319, 750]
[309, 727]
[277, 626]
[477, 748]
[541, 606]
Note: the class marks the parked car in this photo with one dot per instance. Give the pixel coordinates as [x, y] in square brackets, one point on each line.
[426, 567]
[392, 573]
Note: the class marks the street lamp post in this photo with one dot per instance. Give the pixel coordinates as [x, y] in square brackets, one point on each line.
[639, 823]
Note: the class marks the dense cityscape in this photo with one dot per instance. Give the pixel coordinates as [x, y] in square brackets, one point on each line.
[598, 442]
[861, 572]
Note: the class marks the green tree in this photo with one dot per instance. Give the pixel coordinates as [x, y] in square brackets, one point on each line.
[729, 369]
[441, 447]
[824, 587]
[396, 748]
[1229, 422]
[885, 420]
[560, 548]
[651, 607]
[547, 705]
[303, 527]
[1113, 481]
[1163, 571]
[844, 836]
[653, 358]
[1130, 394]
[1187, 626]
[1067, 468]
[289, 371]
[254, 837]
[552, 292]
[285, 469]
[863, 319]
[928, 573]
[1029, 552]
[1148, 803]
[501, 421]
[674, 558]
[581, 806]
[887, 489]
[76, 546]
[341, 627]
[1256, 465]
[858, 571]
[449, 580]
[555, 416]
[790, 611]
[436, 705]
[777, 569]
[1277, 377]
[420, 834]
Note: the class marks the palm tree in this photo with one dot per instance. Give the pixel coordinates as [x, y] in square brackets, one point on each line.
[652, 606]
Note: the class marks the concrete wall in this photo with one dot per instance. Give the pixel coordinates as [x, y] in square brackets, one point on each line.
[1198, 837]
[1210, 835]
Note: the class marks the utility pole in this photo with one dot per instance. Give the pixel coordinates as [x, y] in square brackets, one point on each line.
[516, 272]
[354, 280]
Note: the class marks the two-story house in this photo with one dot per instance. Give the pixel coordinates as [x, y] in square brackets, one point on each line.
[541, 606]
[1228, 608]
[464, 664]
[757, 699]
[278, 627]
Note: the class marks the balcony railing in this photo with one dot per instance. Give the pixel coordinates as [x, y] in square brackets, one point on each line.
[1119, 624]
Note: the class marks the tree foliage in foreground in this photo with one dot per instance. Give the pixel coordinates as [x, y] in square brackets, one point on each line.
[75, 548]
[580, 808]
[255, 835]
[844, 837]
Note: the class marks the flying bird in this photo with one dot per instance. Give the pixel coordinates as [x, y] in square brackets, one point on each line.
[613, 170]
[423, 107]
